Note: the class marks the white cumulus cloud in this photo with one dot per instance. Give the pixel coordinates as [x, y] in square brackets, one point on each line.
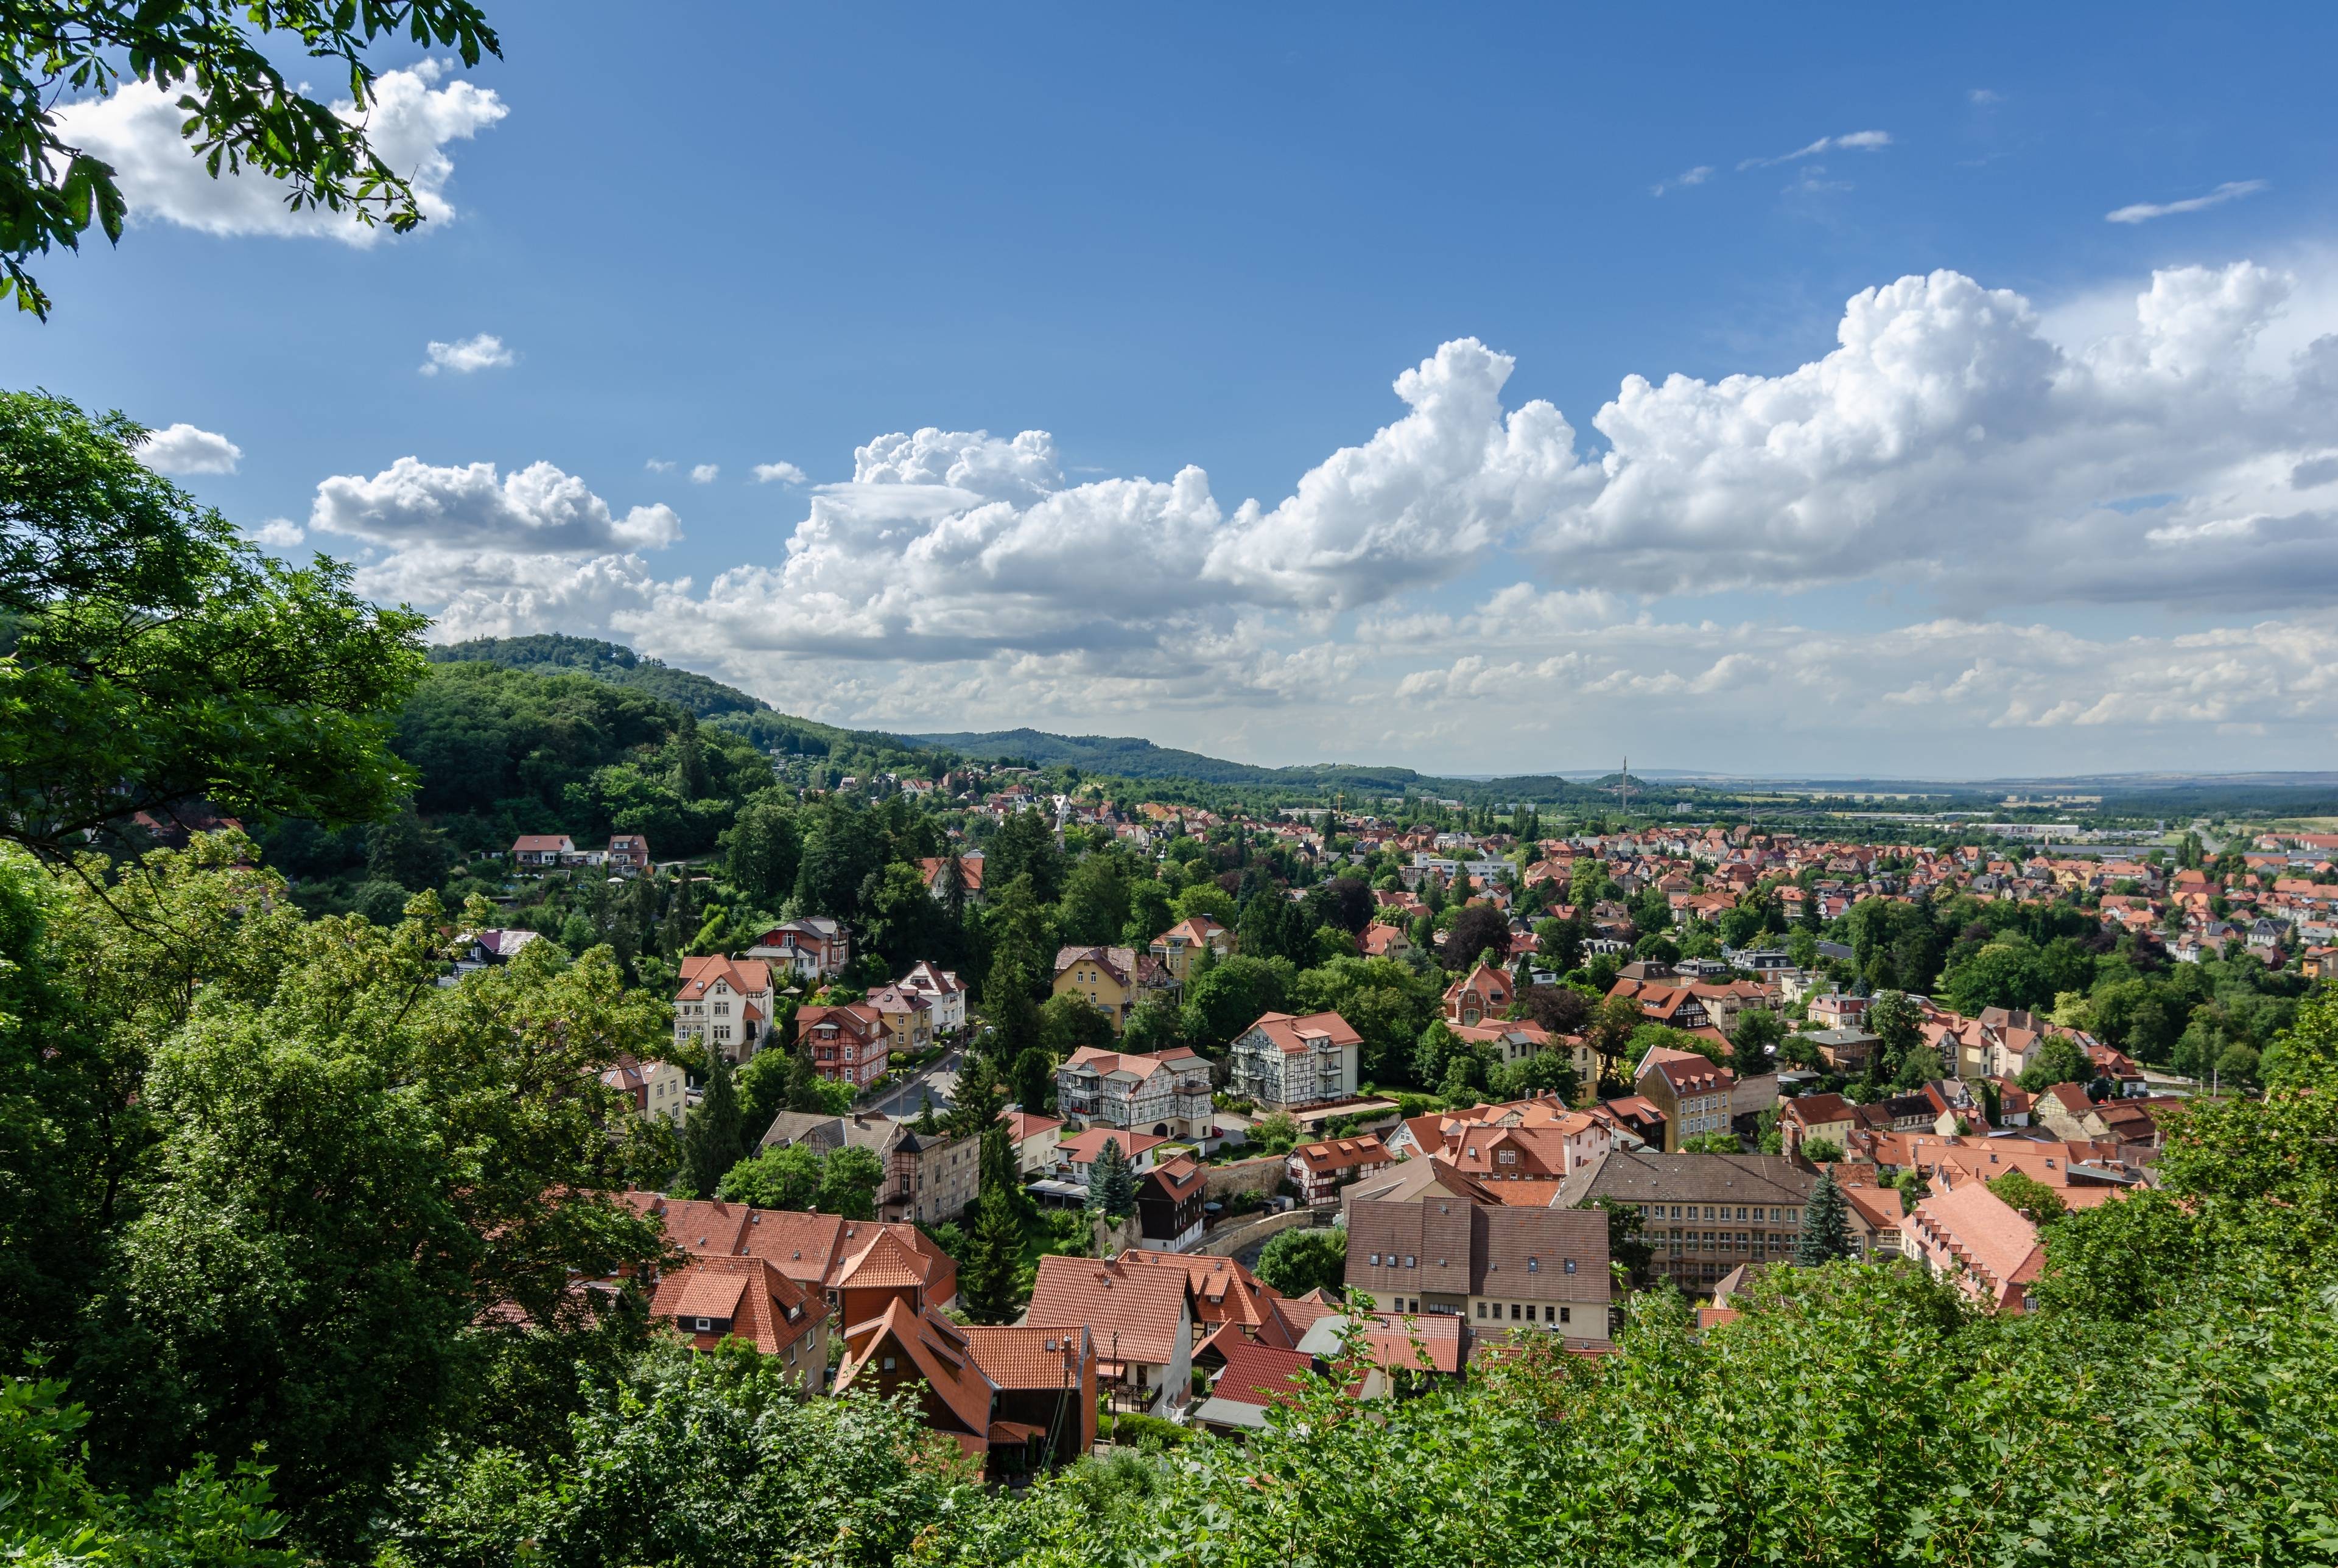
[183, 449]
[779, 473]
[481, 351]
[1947, 440]
[706, 473]
[536, 510]
[410, 123]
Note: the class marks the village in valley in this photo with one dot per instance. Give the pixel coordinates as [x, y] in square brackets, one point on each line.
[1404, 1090]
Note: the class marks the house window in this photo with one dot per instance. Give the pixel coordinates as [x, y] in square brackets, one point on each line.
[1376, 1259]
[889, 1363]
[1534, 1265]
[1566, 1315]
[1481, 1310]
[1408, 1260]
[1570, 1266]
[1514, 1311]
[706, 1325]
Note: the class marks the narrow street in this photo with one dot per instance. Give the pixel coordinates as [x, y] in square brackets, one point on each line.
[940, 1079]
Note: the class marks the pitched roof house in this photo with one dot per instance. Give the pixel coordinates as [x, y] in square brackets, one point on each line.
[1141, 1317]
[1482, 993]
[1023, 1399]
[1970, 1236]
[710, 1299]
[838, 1257]
[1283, 1062]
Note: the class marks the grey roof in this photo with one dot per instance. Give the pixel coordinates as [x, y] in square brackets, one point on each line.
[1645, 1176]
[1216, 1411]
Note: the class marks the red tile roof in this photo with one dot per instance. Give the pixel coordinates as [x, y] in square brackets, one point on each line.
[1136, 1313]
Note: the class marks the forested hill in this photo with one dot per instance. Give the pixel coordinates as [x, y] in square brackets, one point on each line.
[1127, 757]
[1121, 757]
[726, 707]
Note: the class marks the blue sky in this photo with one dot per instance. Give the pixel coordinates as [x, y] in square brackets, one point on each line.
[1214, 237]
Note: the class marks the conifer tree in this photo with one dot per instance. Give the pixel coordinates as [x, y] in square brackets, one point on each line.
[1112, 1185]
[985, 1279]
[714, 1139]
[1826, 1225]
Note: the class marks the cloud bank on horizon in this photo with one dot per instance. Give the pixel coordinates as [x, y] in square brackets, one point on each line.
[2170, 485]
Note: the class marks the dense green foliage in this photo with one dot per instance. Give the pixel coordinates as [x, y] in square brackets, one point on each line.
[695, 1460]
[268, 1183]
[1298, 1261]
[154, 662]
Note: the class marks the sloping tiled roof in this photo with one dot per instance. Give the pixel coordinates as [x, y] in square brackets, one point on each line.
[1296, 1037]
[1259, 1374]
[936, 1351]
[1341, 1154]
[763, 1307]
[1647, 1176]
[748, 977]
[1084, 1149]
[1137, 1314]
[1023, 1357]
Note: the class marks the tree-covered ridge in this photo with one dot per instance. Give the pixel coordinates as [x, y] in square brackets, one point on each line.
[726, 707]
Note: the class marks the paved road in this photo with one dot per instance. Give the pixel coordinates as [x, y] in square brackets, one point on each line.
[941, 1080]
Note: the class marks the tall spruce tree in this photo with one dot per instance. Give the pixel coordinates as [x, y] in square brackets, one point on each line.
[1112, 1185]
[713, 1139]
[986, 1277]
[1826, 1225]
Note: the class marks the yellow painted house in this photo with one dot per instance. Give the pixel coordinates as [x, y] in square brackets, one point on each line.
[1116, 979]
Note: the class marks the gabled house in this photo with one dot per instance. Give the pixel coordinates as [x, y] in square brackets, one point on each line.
[1254, 1379]
[1176, 948]
[541, 850]
[710, 1299]
[1114, 980]
[1020, 1398]
[1968, 1235]
[628, 856]
[944, 993]
[1169, 1204]
[724, 1003]
[906, 1015]
[1034, 1139]
[934, 870]
[1228, 1303]
[1284, 1063]
[841, 1259]
[929, 1177]
[1141, 1317]
[847, 1043]
[1319, 1170]
[1167, 1095]
[1518, 1040]
[1075, 1157]
[814, 947]
[1481, 994]
[1424, 1238]
[1691, 1092]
